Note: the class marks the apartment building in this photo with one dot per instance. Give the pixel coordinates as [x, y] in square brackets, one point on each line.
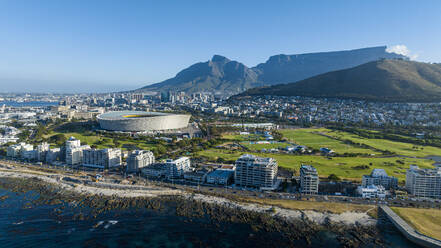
[18, 150]
[74, 151]
[139, 159]
[103, 158]
[42, 150]
[177, 168]
[424, 182]
[379, 177]
[371, 191]
[257, 172]
[309, 180]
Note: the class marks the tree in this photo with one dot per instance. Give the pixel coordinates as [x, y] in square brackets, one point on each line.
[160, 149]
[58, 139]
[334, 178]
[277, 135]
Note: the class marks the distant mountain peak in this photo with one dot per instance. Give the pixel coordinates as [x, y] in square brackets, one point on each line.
[220, 58]
[220, 74]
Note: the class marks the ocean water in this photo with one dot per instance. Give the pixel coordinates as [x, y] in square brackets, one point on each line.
[23, 224]
[28, 104]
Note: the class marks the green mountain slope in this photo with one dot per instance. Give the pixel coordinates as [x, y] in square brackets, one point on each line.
[383, 80]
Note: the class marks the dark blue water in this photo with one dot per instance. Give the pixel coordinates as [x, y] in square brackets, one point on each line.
[23, 224]
[28, 104]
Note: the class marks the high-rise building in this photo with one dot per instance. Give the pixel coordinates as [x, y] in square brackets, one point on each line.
[139, 159]
[253, 171]
[21, 150]
[424, 182]
[72, 142]
[177, 168]
[74, 151]
[42, 150]
[380, 177]
[53, 155]
[309, 180]
[102, 158]
[13, 151]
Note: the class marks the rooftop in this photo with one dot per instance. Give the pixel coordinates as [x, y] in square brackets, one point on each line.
[120, 115]
[308, 168]
[378, 173]
[221, 173]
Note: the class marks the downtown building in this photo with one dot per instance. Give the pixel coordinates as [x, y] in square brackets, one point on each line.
[309, 180]
[424, 182]
[139, 159]
[256, 172]
[379, 177]
[102, 158]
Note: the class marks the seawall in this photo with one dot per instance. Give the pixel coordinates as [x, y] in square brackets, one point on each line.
[409, 232]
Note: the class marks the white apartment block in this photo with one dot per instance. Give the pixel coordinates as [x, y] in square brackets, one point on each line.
[74, 151]
[257, 172]
[102, 158]
[177, 168]
[139, 159]
[53, 155]
[42, 150]
[380, 177]
[371, 191]
[309, 180]
[424, 182]
[21, 150]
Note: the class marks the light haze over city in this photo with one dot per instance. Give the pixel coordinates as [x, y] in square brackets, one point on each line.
[104, 46]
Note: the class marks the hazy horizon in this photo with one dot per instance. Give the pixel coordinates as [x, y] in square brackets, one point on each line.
[101, 46]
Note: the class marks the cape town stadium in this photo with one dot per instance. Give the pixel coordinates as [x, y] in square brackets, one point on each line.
[138, 121]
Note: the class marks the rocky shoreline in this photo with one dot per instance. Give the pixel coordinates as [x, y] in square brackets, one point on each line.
[289, 231]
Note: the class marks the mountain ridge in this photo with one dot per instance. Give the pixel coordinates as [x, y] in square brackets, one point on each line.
[220, 74]
[382, 80]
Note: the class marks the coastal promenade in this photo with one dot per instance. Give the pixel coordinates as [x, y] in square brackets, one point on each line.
[409, 232]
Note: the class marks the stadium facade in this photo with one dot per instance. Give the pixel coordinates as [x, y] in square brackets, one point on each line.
[140, 121]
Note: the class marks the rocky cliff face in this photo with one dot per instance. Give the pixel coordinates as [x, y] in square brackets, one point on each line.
[226, 76]
[292, 68]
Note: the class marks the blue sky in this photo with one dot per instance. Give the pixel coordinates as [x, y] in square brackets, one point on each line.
[112, 45]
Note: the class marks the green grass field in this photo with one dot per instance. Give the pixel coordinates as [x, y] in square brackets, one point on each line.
[399, 148]
[103, 142]
[239, 138]
[263, 146]
[312, 138]
[341, 166]
[426, 221]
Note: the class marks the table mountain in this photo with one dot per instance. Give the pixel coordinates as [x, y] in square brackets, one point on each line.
[231, 77]
[292, 68]
[383, 80]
